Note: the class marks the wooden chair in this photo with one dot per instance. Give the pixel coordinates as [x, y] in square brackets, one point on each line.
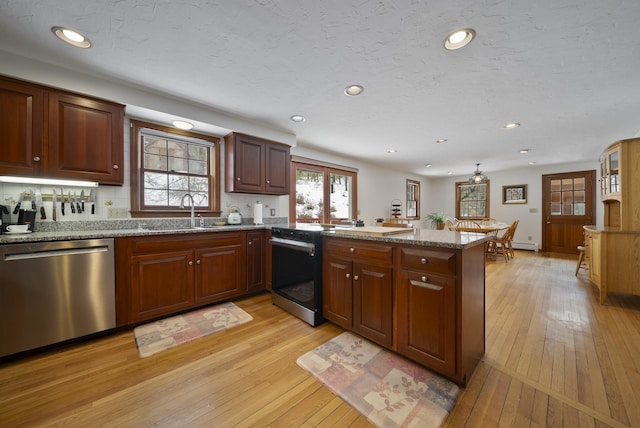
[580, 258]
[502, 245]
[467, 226]
[450, 224]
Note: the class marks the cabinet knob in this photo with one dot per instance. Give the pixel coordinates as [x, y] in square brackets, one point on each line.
[190, 262]
[268, 182]
[238, 179]
[116, 167]
[348, 275]
[198, 261]
[424, 278]
[250, 242]
[355, 277]
[424, 261]
[353, 250]
[36, 158]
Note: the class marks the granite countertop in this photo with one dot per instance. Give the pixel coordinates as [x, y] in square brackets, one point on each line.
[424, 237]
[64, 231]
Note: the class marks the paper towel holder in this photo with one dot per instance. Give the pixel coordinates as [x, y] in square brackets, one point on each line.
[257, 213]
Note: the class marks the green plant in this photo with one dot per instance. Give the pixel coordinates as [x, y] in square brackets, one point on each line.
[437, 220]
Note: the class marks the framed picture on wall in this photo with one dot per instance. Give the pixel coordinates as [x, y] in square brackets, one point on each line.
[514, 194]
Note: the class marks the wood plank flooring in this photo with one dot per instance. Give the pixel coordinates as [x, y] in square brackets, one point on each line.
[555, 357]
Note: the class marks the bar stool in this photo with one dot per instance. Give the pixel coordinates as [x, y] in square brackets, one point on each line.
[580, 258]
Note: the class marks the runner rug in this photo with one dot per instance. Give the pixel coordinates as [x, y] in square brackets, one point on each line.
[170, 332]
[386, 388]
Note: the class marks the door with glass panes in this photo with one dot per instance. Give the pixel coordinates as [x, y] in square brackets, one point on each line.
[568, 204]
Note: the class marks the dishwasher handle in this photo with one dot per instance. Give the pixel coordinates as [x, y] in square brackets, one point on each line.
[294, 245]
[55, 253]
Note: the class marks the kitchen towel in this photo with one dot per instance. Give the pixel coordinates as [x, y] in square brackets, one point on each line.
[257, 213]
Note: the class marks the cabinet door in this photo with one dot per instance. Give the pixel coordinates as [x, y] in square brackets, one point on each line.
[595, 258]
[277, 169]
[255, 261]
[85, 138]
[219, 273]
[160, 284]
[249, 165]
[373, 302]
[21, 122]
[426, 320]
[337, 291]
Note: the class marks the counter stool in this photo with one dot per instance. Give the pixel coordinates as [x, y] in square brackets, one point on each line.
[580, 258]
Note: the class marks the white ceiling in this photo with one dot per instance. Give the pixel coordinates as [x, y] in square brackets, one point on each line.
[567, 70]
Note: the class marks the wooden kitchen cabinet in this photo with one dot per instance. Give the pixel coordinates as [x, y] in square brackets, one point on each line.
[426, 302]
[256, 260]
[160, 275]
[255, 165]
[58, 134]
[358, 288]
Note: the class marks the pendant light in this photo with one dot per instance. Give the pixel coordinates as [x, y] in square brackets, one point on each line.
[478, 177]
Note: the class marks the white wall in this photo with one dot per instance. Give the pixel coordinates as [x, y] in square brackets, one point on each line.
[441, 197]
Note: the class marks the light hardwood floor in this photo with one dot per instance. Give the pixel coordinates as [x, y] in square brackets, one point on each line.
[554, 357]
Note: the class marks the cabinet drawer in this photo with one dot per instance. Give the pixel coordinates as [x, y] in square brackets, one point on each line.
[442, 262]
[354, 249]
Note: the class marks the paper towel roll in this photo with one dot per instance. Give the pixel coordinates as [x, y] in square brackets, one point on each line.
[257, 213]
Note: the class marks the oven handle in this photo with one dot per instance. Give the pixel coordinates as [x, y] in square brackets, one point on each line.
[294, 245]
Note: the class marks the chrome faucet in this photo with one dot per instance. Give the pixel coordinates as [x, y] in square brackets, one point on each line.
[193, 218]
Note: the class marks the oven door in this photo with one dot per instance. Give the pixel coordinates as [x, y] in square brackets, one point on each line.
[297, 272]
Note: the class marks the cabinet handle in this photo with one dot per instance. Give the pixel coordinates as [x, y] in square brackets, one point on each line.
[190, 262]
[36, 158]
[355, 277]
[198, 261]
[348, 275]
[424, 261]
[424, 279]
[353, 250]
[116, 167]
[426, 285]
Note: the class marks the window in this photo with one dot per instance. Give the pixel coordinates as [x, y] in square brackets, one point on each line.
[166, 164]
[568, 196]
[319, 185]
[413, 199]
[472, 200]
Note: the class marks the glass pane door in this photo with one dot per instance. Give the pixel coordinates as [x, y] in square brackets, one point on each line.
[340, 197]
[309, 195]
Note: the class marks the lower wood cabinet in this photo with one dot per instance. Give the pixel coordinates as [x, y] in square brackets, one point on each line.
[164, 274]
[426, 303]
[358, 288]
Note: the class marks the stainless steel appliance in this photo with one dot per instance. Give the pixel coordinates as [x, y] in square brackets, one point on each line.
[297, 271]
[54, 291]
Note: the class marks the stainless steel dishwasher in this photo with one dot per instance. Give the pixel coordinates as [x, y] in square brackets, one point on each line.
[54, 291]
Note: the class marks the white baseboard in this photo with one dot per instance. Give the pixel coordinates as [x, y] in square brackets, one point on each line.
[531, 246]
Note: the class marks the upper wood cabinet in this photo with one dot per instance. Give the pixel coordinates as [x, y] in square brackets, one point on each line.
[255, 165]
[57, 134]
[620, 167]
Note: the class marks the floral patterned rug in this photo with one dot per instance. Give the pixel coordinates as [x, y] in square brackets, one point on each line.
[389, 390]
[170, 332]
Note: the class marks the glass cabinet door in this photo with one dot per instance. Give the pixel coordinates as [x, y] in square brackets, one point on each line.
[614, 173]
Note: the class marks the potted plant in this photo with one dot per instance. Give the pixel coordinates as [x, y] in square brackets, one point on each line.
[437, 220]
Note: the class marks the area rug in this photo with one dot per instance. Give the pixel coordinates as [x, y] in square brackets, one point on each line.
[170, 332]
[389, 390]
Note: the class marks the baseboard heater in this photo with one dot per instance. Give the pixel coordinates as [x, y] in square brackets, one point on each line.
[530, 246]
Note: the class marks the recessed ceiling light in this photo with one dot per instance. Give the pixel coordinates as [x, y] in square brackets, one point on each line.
[72, 37]
[298, 118]
[449, 172]
[459, 39]
[353, 90]
[440, 141]
[532, 162]
[181, 124]
[428, 165]
[392, 151]
[511, 125]
[523, 151]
